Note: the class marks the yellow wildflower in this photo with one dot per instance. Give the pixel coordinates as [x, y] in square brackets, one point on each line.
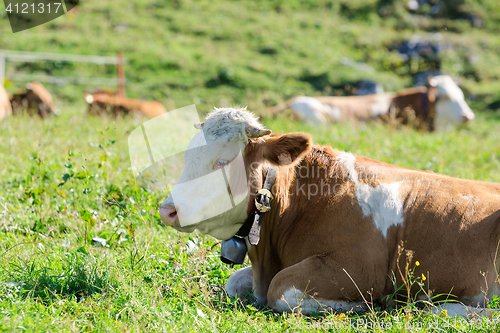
[342, 317]
[444, 313]
[423, 277]
[417, 263]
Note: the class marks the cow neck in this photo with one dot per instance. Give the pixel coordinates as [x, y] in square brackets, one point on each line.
[251, 227]
[428, 109]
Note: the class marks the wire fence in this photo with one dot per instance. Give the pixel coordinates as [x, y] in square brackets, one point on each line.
[23, 56]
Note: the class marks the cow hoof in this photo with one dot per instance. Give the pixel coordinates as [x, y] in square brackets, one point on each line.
[240, 283]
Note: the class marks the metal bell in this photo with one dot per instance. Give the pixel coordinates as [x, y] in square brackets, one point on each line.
[233, 251]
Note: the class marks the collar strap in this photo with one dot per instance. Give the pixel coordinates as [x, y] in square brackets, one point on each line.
[251, 227]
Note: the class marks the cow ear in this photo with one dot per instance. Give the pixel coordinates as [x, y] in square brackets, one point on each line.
[432, 93]
[286, 149]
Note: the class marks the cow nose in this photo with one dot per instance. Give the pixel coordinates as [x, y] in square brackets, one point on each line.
[467, 118]
[168, 214]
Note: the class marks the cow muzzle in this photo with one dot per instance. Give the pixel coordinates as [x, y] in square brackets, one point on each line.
[168, 214]
[467, 118]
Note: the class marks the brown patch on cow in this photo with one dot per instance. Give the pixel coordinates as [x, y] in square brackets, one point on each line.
[413, 106]
[452, 227]
[282, 151]
[370, 162]
[104, 91]
[152, 109]
[112, 105]
[286, 149]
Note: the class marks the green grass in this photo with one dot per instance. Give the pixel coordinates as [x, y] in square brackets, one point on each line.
[66, 180]
[81, 245]
[256, 53]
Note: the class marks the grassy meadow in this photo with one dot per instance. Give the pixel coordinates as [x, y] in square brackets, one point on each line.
[82, 247]
[259, 53]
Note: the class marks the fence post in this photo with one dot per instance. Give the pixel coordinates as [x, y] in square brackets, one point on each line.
[121, 76]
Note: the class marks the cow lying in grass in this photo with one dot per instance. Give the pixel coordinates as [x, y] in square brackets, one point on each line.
[35, 100]
[106, 103]
[439, 106]
[340, 225]
[5, 108]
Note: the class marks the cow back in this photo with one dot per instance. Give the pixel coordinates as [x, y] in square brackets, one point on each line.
[359, 108]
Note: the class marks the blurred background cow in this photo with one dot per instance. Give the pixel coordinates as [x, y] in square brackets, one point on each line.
[35, 100]
[107, 103]
[440, 105]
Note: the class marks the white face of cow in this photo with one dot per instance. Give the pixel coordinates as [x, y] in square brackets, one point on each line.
[451, 108]
[213, 190]
[211, 193]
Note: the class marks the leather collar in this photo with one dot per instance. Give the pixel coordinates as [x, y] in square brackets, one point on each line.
[251, 227]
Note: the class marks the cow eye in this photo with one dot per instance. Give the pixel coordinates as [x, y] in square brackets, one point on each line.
[220, 164]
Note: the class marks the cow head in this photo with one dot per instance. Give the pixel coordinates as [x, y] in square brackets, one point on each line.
[226, 158]
[450, 106]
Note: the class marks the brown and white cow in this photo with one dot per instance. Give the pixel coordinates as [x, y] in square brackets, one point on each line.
[440, 106]
[338, 221]
[107, 103]
[5, 108]
[35, 100]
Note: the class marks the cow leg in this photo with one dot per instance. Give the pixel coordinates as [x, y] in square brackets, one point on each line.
[240, 283]
[42, 111]
[315, 284]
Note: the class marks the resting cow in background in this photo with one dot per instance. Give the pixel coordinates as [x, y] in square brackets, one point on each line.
[36, 99]
[439, 106]
[338, 223]
[5, 108]
[106, 103]
[104, 91]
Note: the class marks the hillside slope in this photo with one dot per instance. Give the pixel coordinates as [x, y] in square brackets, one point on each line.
[260, 53]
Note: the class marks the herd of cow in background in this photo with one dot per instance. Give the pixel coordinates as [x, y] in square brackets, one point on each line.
[37, 100]
[438, 105]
